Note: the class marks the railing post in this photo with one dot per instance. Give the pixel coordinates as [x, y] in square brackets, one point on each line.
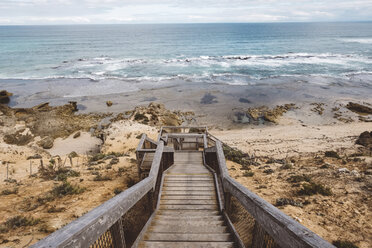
[227, 202]
[117, 233]
[150, 201]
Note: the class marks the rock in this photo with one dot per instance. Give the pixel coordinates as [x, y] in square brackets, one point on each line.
[343, 170]
[355, 173]
[46, 143]
[5, 96]
[244, 100]
[76, 135]
[359, 109]
[208, 98]
[365, 139]
[109, 103]
[19, 138]
[264, 113]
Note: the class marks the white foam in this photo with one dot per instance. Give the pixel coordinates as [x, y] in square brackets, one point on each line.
[358, 40]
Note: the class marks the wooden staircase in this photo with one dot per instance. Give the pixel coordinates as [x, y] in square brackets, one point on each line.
[188, 213]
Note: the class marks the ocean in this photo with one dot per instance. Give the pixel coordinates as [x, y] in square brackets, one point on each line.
[87, 60]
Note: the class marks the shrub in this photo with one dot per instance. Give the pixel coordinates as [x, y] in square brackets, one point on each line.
[299, 178]
[117, 191]
[286, 166]
[314, 188]
[19, 221]
[9, 191]
[130, 182]
[66, 188]
[248, 174]
[54, 209]
[99, 177]
[344, 244]
[331, 154]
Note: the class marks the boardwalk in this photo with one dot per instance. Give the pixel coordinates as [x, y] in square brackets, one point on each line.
[188, 215]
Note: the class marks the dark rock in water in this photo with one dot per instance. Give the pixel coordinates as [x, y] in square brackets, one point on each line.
[359, 109]
[18, 138]
[244, 100]
[365, 139]
[5, 96]
[46, 143]
[109, 103]
[208, 98]
[81, 107]
[74, 106]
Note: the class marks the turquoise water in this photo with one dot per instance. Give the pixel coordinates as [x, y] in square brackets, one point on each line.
[129, 57]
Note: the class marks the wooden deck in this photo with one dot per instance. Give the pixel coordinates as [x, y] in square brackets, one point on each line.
[188, 214]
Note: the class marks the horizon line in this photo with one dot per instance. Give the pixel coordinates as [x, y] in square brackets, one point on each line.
[178, 23]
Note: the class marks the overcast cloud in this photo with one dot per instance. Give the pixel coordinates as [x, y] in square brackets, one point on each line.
[180, 11]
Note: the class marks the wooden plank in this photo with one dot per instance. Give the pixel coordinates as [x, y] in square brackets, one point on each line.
[179, 237]
[284, 230]
[117, 234]
[88, 228]
[158, 244]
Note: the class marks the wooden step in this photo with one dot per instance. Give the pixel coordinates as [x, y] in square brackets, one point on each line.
[181, 237]
[188, 201]
[184, 192]
[188, 212]
[190, 217]
[159, 244]
[180, 228]
[188, 207]
[191, 222]
[209, 188]
[188, 197]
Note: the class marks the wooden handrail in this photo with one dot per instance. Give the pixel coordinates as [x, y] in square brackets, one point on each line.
[284, 230]
[87, 229]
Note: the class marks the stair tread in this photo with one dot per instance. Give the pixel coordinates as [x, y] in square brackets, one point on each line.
[156, 244]
[181, 237]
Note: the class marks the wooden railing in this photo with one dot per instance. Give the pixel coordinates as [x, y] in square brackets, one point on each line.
[258, 225]
[104, 224]
[278, 229]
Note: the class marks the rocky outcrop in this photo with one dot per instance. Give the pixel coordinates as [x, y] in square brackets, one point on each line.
[365, 139]
[155, 114]
[5, 97]
[359, 109]
[266, 114]
[46, 143]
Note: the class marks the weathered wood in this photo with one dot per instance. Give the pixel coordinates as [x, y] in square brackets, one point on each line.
[142, 141]
[117, 234]
[88, 228]
[283, 229]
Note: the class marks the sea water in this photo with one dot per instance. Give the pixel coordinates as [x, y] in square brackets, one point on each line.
[84, 60]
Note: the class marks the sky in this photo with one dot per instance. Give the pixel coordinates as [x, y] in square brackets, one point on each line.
[40, 12]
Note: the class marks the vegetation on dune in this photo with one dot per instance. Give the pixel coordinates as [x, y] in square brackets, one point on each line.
[16, 222]
[344, 244]
[314, 188]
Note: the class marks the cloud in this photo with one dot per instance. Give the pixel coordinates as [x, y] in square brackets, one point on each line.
[180, 11]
